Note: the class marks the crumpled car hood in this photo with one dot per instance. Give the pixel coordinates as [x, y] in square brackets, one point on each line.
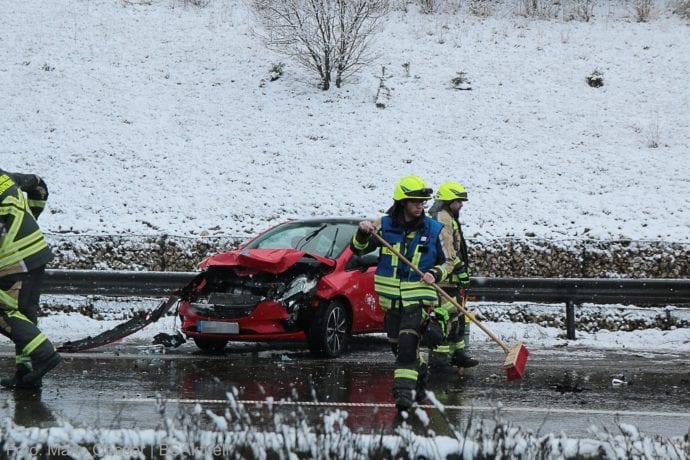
[265, 260]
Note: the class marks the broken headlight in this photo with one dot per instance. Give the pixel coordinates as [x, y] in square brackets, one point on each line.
[300, 285]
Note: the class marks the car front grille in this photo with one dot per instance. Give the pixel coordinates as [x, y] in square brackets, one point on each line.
[221, 311]
[227, 305]
[231, 299]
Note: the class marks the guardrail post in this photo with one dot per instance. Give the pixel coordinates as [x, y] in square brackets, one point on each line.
[570, 320]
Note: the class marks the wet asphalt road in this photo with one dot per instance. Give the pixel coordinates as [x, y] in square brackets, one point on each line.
[561, 391]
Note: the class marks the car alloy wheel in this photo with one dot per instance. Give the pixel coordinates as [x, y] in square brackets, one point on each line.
[336, 329]
[329, 331]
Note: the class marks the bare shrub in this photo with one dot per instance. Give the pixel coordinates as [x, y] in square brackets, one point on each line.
[481, 8]
[643, 10]
[682, 8]
[403, 5]
[136, 2]
[579, 10]
[439, 6]
[428, 6]
[383, 93]
[538, 8]
[431, 6]
[595, 79]
[460, 82]
[329, 37]
[441, 28]
[194, 3]
[653, 134]
[276, 71]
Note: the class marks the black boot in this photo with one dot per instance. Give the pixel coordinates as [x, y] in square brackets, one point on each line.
[461, 359]
[439, 365]
[403, 399]
[17, 380]
[11, 382]
[41, 368]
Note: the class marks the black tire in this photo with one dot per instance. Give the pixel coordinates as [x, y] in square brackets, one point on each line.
[329, 331]
[210, 345]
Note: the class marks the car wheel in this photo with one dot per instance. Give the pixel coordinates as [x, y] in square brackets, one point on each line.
[329, 331]
[210, 345]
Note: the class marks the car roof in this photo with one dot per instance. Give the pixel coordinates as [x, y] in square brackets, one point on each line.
[328, 220]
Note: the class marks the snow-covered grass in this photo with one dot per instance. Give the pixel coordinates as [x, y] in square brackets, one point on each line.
[150, 117]
[200, 433]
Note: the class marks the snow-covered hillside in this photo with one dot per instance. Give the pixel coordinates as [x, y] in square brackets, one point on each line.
[151, 117]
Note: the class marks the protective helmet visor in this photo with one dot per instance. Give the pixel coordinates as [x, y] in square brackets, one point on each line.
[421, 194]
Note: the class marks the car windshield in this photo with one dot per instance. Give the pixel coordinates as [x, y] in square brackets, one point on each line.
[327, 239]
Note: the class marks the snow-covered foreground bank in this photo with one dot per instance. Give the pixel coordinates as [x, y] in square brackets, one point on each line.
[232, 436]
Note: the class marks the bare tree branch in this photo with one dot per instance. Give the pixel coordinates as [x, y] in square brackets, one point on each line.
[328, 37]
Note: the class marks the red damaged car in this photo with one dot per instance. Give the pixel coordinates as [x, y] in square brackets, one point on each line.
[297, 281]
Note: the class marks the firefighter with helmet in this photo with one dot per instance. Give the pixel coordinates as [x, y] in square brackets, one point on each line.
[451, 354]
[24, 254]
[408, 300]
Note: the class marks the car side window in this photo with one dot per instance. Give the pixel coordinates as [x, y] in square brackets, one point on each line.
[344, 237]
[364, 261]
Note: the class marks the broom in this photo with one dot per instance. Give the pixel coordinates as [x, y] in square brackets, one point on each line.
[516, 357]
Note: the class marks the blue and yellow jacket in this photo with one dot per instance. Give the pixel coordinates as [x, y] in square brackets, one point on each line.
[421, 242]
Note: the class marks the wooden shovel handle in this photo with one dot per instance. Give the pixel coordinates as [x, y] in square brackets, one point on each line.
[443, 293]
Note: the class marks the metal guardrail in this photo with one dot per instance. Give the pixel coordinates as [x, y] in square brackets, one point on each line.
[114, 283]
[575, 291]
[571, 291]
[581, 290]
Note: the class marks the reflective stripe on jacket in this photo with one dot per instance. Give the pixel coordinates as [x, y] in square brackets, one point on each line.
[35, 188]
[22, 244]
[393, 278]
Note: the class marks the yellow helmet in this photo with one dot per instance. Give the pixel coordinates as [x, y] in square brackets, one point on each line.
[451, 191]
[411, 188]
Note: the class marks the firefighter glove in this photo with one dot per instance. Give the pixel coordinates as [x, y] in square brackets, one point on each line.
[437, 327]
[433, 334]
[441, 316]
[464, 279]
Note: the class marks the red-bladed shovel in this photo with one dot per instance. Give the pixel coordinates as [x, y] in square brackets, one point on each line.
[516, 358]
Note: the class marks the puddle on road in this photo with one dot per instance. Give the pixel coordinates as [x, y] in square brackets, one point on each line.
[113, 392]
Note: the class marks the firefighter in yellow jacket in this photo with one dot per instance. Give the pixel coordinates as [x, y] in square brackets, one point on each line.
[24, 254]
[408, 299]
[451, 353]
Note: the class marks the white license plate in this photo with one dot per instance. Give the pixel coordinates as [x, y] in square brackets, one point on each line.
[217, 327]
